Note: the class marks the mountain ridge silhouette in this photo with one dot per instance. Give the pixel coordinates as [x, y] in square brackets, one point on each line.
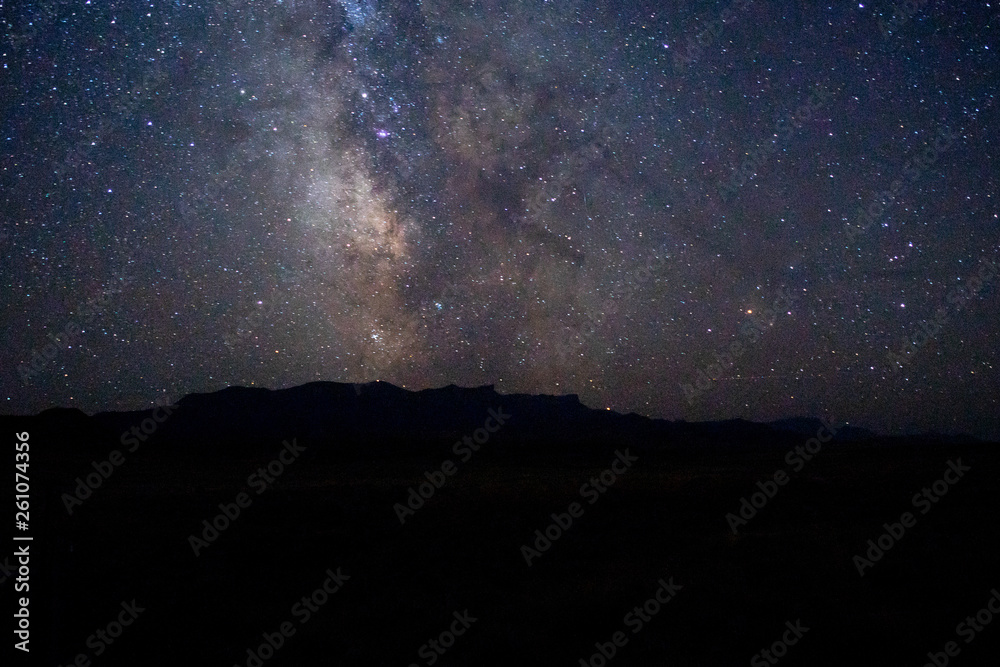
[379, 418]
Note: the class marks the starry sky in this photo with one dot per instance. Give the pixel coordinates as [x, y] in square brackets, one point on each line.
[697, 210]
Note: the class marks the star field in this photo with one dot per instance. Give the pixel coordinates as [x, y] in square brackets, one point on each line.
[690, 211]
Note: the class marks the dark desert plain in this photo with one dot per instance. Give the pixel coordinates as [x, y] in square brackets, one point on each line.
[467, 559]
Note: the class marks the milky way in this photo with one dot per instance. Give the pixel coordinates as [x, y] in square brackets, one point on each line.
[685, 211]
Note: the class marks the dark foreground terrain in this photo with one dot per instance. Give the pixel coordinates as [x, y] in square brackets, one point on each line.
[455, 573]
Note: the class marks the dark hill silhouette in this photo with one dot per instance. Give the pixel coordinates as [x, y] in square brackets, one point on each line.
[106, 533]
[349, 417]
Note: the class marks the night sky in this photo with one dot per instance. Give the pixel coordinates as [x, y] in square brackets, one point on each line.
[692, 211]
